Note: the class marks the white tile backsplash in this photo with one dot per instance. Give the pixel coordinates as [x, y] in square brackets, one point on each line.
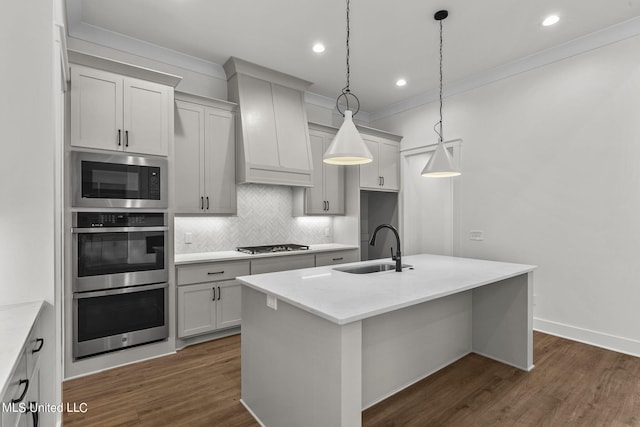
[264, 217]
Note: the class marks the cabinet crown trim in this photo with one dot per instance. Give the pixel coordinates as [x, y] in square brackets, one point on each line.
[123, 68]
[240, 66]
[206, 101]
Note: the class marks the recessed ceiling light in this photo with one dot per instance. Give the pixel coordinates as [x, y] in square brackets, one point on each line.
[401, 82]
[550, 20]
[318, 48]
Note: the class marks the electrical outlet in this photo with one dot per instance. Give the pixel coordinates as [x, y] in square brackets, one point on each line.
[272, 301]
[477, 235]
[188, 237]
[327, 232]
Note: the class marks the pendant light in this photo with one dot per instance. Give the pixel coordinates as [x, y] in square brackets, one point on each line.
[440, 165]
[347, 148]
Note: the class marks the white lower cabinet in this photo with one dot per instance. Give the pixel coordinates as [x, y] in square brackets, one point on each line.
[22, 396]
[207, 307]
[209, 297]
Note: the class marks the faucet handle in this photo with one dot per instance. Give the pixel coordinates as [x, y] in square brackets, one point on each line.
[393, 257]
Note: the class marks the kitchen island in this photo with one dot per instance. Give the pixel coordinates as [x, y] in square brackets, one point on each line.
[319, 345]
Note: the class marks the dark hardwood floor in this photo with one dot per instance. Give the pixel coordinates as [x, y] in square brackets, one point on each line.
[573, 384]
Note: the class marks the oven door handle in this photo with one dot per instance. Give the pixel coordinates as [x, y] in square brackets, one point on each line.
[76, 230]
[131, 289]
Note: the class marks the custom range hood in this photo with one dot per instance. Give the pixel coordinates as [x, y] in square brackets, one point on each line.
[272, 138]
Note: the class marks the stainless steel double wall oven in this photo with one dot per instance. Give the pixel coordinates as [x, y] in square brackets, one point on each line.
[119, 255]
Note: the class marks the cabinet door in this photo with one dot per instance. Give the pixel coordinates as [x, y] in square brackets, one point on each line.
[33, 399]
[370, 172]
[220, 162]
[196, 309]
[390, 164]
[229, 310]
[333, 186]
[189, 158]
[314, 196]
[96, 109]
[146, 117]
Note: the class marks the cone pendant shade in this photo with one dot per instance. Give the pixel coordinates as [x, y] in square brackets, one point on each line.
[440, 165]
[347, 148]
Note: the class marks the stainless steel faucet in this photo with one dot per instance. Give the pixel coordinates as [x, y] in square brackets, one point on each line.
[397, 257]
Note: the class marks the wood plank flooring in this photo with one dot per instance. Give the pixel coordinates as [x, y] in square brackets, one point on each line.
[573, 384]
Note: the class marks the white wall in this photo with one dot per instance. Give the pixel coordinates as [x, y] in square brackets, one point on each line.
[28, 184]
[26, 163]
[551, 174]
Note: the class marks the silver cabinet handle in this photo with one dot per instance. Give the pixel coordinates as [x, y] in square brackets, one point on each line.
[119, 136]
[214, 293]
[207, 202]
[211, 273]
[126, 138]
[202, 202]
[383, 181]
[328, 205]
[219, 293]
[338, 259]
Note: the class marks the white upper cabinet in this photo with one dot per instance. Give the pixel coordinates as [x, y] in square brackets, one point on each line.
[204, 156]
[114, 112]
[326, 197]
[383, 173]
[273, 138]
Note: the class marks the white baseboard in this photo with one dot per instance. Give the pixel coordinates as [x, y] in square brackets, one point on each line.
[598, 339]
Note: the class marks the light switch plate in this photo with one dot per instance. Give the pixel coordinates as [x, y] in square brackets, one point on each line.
[477, 235]
[188, 237]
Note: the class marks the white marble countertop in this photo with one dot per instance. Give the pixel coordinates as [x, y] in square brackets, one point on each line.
[16, 321]
[181, 259]
[345, 297]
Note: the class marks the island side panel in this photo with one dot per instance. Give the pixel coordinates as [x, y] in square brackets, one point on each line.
[503, 321]
[299, 369]
[404, 346]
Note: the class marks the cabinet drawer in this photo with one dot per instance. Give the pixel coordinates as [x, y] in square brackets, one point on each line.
[281, 263]
[15, 389]
[339, 257]
[210, 272]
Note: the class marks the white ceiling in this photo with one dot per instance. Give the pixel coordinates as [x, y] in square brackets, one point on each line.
[389, 39]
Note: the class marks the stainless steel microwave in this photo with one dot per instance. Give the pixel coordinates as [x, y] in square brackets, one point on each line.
[118, 181]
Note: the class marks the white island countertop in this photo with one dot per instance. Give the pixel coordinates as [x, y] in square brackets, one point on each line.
[16, 321]
[192, 258]
[345, 297]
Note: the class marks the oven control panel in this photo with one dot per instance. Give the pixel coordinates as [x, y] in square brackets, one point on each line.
[118, 219]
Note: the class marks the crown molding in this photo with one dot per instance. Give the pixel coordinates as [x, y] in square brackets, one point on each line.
[592, 41]
[81, 30]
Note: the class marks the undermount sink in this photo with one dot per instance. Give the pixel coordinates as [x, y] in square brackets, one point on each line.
[370, 268]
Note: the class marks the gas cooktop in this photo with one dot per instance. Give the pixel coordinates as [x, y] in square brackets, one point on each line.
[285, 247]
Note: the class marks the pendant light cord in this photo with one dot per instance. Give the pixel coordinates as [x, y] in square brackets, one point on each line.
[440, 122]
[346, 91]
